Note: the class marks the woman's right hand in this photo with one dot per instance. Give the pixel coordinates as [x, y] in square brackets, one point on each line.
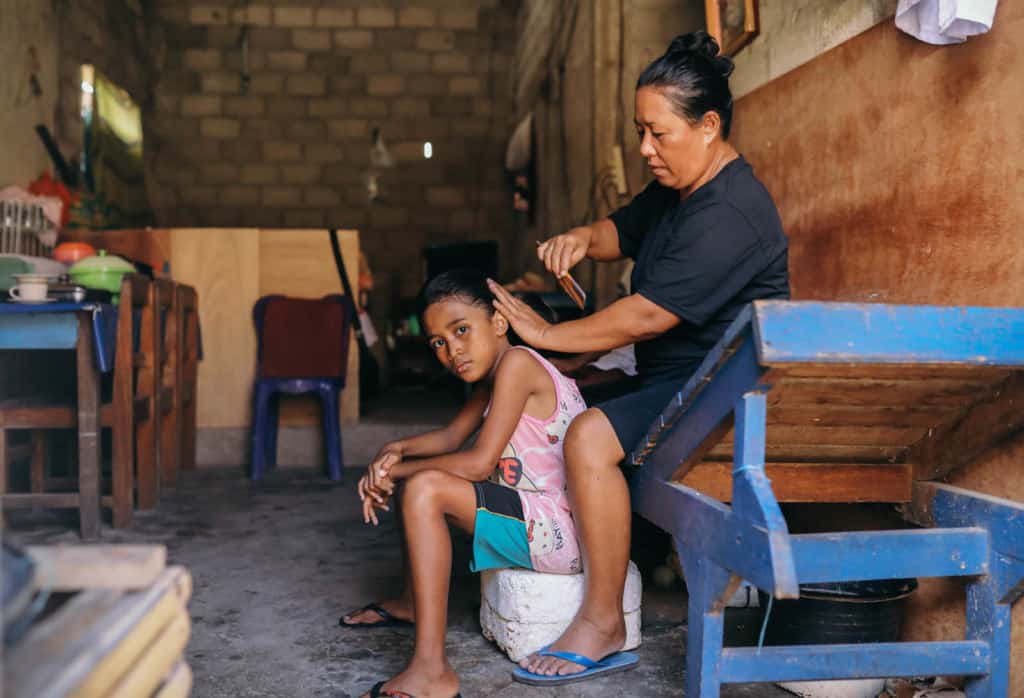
[562, 252]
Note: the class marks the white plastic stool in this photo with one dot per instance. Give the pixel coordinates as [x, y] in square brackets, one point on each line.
[523, 611]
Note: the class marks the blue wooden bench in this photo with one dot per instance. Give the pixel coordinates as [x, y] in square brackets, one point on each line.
[842, 402]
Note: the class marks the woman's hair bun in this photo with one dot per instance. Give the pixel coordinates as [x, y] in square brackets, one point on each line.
[702, 43]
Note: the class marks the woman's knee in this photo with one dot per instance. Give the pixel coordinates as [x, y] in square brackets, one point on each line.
[591, 442]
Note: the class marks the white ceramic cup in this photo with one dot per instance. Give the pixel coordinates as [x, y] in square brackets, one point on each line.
[31, 287]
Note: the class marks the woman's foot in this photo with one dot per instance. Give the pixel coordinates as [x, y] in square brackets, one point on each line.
[584, 636]
[380, 613]
[423, 680]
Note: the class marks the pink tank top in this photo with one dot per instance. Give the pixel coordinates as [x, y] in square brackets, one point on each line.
[533, 464]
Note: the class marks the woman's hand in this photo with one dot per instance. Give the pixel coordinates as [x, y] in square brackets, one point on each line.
[530, 326]
[562, 252]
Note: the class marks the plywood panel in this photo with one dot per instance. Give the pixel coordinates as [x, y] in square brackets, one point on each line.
[222, 264]
[896, 167]
[300, 263]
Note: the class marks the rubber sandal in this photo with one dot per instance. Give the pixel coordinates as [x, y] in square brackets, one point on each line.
[386, 619]
[612, 664]
[376, 692]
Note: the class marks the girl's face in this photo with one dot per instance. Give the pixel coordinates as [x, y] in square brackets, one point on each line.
[677, 152]
[465, 338]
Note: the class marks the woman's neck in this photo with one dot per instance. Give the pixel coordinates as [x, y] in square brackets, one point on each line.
[721, 156]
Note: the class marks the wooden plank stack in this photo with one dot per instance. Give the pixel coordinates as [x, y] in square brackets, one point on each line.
[121, 633]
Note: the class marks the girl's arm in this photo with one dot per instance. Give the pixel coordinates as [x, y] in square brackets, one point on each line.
[518, 377]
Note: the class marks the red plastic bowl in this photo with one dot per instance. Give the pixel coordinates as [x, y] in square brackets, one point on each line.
[71, 252]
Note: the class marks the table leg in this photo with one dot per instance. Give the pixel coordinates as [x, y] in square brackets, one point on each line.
[88, 431]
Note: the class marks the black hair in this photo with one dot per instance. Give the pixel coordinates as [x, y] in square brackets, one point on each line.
[694, 78]
[470, 286]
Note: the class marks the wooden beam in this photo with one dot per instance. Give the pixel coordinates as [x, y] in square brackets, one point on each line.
[812, 482]
[156, 660]
[998, 416]
[75, 567]
[178, 684]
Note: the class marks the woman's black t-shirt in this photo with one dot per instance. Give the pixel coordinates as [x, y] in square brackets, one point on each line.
[702, 259]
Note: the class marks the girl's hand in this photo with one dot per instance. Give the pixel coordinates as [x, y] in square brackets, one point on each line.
[369, 510]
[530, 326]
[562, 252]
[377, 484]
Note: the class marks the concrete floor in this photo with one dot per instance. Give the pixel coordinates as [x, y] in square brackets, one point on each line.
[274, 564]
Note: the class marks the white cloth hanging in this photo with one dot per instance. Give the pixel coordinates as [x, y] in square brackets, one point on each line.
[945, 21]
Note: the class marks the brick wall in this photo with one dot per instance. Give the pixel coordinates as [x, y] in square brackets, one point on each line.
[291, 146]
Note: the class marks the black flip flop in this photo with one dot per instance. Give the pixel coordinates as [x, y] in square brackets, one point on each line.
[375, 692]
[386, 619]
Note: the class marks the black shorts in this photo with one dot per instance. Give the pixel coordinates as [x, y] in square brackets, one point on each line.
[633, 413]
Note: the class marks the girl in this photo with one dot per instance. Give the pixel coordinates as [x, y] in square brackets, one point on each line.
[507, 489]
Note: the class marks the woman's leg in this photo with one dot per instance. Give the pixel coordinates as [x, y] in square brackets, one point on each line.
[601, 510]
[401, 607]
[431, 499]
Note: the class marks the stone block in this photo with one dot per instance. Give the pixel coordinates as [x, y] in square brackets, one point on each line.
[282, 150]
[258, 173]
[201, 59]
[200, 105]
[208, 14]
[240, 195]
[321, 196]
[428, 85]
[266, 84]
[410, 62]
[459, 18]
[323, 152]
[293, 16]
[281, 196]
[385, 85]
[368, 106]
[412, 107]
[198, 195]
[523, 611]
[446, 196]
[435, 41]
[310, 85]
[218, 173]
[286, 60]
[376, 17]
[222, 83]
[262, 130]
[306, 130]
[252, 16]
[334, 17]
[269, 38]
[421, 17]
[353, 39]
[369, 63]
[342, 129]
[244, 106]
[305, 173]
[304, 218]
[331, 106]
[311, 39]
[213, 127]
[286, 107]
[394, 39]
[451, 63]
[465, 86]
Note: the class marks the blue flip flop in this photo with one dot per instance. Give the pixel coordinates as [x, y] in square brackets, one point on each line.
[612, 664]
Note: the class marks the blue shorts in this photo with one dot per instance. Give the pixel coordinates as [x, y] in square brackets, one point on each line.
[499, 533]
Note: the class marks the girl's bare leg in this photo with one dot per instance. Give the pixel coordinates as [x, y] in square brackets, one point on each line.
[401, 607]
[600, 506]
[431, 499]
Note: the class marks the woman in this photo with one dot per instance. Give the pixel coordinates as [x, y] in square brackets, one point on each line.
[707, 241]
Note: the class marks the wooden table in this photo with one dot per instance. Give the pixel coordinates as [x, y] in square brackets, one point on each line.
[89, 329]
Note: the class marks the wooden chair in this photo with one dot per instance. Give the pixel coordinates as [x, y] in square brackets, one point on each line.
[168, 394]
[188, 368]
[129, 413]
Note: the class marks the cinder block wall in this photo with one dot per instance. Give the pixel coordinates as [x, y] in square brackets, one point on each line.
[290, 146]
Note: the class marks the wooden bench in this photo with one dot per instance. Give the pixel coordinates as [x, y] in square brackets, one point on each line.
[837, 402]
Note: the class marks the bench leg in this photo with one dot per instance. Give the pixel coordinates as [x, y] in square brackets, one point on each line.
[989, 621]
[708, 586]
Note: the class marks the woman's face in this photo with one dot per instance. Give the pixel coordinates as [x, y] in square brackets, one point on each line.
[465, 338]
[677, 152]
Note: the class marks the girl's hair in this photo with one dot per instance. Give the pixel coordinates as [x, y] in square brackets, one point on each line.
[470, 286]
[694, 78]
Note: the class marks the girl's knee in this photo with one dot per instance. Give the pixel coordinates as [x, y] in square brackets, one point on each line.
[423, 488]
[589, 437]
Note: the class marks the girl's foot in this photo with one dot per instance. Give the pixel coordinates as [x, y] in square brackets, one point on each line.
[422, 682]
[382, 613]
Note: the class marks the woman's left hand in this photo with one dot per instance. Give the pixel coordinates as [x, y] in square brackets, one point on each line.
[530, 326]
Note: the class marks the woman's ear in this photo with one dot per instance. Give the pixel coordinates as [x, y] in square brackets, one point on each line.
[711, 126]
[499, 323]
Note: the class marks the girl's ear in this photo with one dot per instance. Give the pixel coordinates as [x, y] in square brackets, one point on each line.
[499, 323]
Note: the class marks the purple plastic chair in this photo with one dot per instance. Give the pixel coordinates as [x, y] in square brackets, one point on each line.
[302, 348]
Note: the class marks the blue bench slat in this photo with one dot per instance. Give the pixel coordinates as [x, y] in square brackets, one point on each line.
[863, 661]
[865, 555]
[809, 332]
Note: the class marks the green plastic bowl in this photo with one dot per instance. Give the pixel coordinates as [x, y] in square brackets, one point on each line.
[102, 271]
